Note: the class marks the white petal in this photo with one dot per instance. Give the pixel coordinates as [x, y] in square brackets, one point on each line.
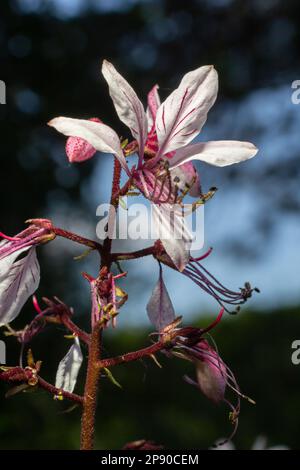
[69, 367]
[18, 281]
[182, 115]
[219, 153]
[173, 233]
[160, 309]
[100, 136]
[128, 106]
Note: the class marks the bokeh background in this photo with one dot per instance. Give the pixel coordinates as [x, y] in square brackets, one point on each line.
[51, 52]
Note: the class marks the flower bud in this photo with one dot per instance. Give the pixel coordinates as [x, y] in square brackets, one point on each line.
[79, 150]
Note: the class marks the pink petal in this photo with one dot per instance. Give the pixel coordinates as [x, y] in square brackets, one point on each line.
[153, 105]
[211, 373]
[79, 150]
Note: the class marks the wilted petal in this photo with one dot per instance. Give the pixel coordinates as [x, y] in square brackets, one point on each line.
[160, 309]
[69, 367]
[170, 225]
[218, 153]
[211, 374]
[128, 106]
[153, 105]
[186, 177]
[100, 136]
[19, 279]
[182, 115]
[79, 150]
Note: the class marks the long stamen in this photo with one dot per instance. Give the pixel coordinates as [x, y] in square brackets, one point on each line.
[204, 279]
[36, 305]
[11, 239]
[215, 322]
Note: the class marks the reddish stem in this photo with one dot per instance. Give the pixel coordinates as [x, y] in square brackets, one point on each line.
[67, 322]
[132, 356]
[19, 374]
[93, 371]
[114, 202]
[78, 239]
[134, 254]
[90, 392]
[122, 191]
[59, 392]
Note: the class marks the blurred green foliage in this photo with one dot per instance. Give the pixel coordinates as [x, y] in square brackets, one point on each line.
[157, 404]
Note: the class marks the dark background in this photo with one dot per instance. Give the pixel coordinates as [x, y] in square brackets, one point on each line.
[50, 54]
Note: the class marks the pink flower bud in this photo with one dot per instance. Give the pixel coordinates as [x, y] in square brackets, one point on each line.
[211, 373]
[79, 150]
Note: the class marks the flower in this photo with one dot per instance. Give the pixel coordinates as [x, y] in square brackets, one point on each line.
[162, 137]
[213, 376]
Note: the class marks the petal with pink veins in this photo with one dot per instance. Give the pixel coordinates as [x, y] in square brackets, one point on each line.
[218, 153]
[153, 105]
[128, 106]
[19, 279]
[79, 150]
[182, 115]
[100, 136]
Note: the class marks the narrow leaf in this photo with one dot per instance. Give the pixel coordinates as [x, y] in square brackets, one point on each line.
[160, 309]
[111, 378]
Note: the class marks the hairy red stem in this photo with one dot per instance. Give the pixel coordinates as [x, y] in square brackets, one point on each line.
[78, 239]
[132, 356]
[93, 371]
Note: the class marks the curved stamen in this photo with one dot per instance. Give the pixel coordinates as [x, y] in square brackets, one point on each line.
[204, 279]
[11, 239]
